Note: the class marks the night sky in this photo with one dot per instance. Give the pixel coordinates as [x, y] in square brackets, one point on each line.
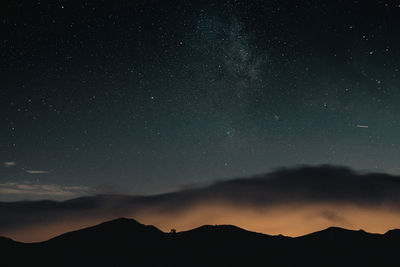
[144, 97]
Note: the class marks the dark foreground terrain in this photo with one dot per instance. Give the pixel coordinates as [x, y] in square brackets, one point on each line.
[125, 242]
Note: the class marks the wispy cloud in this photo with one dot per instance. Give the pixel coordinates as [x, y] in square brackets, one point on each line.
[36, 171]
[9, 164]
[44, 190]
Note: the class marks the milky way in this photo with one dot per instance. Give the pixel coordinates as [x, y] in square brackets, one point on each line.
[149, 96]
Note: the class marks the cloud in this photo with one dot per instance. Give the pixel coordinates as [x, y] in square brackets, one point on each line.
[41, 190]
[36, 171]
[290, 201]
[9, 164]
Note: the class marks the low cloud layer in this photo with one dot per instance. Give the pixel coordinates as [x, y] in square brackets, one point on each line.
[40, 191]
[291, 201]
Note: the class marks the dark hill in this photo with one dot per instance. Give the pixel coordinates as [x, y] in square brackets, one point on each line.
[118, 230]
[125, 242]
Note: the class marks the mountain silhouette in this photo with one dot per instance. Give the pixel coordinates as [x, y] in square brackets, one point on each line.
[126, 242]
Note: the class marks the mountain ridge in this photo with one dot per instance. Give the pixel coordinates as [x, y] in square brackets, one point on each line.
[126, 242]
[132, 222]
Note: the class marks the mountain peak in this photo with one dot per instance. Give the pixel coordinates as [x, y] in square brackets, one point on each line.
[121, 228]
[122, 220]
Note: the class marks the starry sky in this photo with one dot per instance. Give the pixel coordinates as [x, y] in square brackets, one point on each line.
[145, 97]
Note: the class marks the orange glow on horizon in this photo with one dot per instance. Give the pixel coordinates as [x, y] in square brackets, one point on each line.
[289, 220]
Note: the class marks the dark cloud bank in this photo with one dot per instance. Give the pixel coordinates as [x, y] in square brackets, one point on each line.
[298, 187]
